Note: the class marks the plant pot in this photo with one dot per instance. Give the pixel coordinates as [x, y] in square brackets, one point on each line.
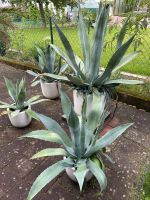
[70, 172]
[21, 120]
[50, 90]
[78, 102]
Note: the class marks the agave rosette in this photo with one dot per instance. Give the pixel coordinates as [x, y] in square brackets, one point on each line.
[87, 74]
[47, 64]
[83, 150]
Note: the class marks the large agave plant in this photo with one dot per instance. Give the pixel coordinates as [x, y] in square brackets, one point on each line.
[47, 64]
[88, 73]
[82, 150]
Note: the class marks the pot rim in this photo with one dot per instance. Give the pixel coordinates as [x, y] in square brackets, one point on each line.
[48, 83]
[29, 107]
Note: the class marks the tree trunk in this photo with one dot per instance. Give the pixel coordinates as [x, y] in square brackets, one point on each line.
[42, 13]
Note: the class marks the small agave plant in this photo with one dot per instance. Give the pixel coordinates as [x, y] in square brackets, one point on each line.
[82, 152]
[88, 74]
[19, 111]
[48, 64]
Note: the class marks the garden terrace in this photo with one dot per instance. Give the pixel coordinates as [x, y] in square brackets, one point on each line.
[18, 172]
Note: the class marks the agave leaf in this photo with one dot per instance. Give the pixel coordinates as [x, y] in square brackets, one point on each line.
[85, 41]
[63, 55]
[5, 105]
[53, 59]
[126, 59]
[67, 47]
[108, 138]
[65, 103]
[32, 114]
[53, 126]
[50, 152]
[42, 56]
[11, 88]
[83, 125]
[98, 42]
[98, 173]
[97, 109]
[124, 81]
[43, 135]
[57, 77]
[81, 172]
[74, 126]
[114, 61]
[33, 99]
[69, 51]
[35, 83]
[32, 73]
[48, 59]
[39, 101]
[75, 80]
[122, 34]
[44, 178]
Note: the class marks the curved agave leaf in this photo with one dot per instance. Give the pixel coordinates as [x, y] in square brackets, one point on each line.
[108, 138]
[32, 73]
[124, 81]
[45, 177]
[6, 105]
[75, 80]
[11, 88]
[97, 109]
[114, 61]
[125, 60]
[43, 135]
[81, 172]
[50, 152]
[65, 103]
[63, 55]
[69, 52]
[67, 47]
[74, 126]
[98, 42]
[85, 41]
[53, 126]
[122, 34]
[32, 114]
[34, 98]
[57, 77]
[98, 173]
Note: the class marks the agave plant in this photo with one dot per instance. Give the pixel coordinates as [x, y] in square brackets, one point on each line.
[88, 74]
[18, 95]
[83, 150]
[47, 64]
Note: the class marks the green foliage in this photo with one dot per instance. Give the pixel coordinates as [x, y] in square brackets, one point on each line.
[18, 96]
[83, 149]
[146, 187]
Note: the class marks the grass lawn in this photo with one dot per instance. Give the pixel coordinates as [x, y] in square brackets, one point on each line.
[141, 65]
[146, 187]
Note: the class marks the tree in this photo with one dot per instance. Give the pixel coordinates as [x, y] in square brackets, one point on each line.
[5, 24]
[42, 4]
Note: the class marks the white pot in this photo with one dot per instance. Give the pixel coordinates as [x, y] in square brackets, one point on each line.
[78, 102]
[21, 120]
[70, 172]
[50, 90]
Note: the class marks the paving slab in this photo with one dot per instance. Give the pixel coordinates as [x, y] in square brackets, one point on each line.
[17, 171]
